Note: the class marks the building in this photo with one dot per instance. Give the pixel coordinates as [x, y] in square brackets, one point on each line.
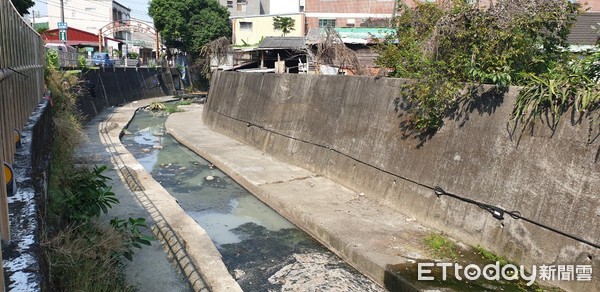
[285, 6]
[246, 7]
[262, 7]
[251, 30]
[358, 40]
[346, 13]
[36, 21]
[583, 37]
[89, 15]
[79, 39]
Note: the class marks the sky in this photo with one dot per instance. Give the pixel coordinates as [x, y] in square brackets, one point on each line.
[139, 8]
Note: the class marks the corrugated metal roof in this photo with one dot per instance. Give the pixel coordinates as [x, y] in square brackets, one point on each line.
[295, 43]
[364, 32]
[582, 32]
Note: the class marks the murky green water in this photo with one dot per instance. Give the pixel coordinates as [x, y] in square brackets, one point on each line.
[261, 249]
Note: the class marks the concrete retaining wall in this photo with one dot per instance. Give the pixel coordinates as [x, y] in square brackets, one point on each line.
[23, 264]
[348, 129]
[113, 86]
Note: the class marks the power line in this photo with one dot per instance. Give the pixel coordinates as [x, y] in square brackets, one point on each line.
[106, 5]
[78, 10]
[497, 212]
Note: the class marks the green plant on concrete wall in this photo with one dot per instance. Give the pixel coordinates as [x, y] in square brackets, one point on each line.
[82, 62]
[551, 94]
[444, 47]
[52, 59]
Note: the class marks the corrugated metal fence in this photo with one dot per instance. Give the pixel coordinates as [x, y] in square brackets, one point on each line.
[21, 88]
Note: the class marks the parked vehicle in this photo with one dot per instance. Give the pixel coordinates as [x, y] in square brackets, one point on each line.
[102, 60]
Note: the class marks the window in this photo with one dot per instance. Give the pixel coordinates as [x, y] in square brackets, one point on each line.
[241, 5]
[229, 3]
[328, 22]
[245, 25]
[350, 22]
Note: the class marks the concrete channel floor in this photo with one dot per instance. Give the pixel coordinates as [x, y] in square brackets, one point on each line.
[151, 269]
[367, 235]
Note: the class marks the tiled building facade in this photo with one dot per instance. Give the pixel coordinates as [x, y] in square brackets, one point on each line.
[354, 13]
[345, 13]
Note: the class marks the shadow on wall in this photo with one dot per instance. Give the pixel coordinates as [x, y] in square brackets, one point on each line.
[116, 86]
[347, 128]
[480, 99]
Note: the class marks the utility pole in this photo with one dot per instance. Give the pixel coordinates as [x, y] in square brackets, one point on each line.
[62, 11]
[393, 12]
[62, 16]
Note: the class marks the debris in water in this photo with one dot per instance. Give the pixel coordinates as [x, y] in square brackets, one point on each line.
[210, 177]
[237, 273]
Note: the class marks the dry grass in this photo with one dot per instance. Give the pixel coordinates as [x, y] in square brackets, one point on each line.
[332, 51]
[85, 258]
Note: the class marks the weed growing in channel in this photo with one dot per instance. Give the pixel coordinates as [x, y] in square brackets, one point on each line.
[131, 228]
[169, 108]
[81, 254]
[85, 257]
[440, 245]
[486, 254]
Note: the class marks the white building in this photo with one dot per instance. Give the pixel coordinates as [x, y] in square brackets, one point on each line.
[89, 15]
[262, 7]
[286, 6]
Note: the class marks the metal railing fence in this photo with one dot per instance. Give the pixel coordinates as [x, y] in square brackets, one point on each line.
[21, 88]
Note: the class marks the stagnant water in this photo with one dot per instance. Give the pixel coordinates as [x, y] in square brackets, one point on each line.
[261, 249]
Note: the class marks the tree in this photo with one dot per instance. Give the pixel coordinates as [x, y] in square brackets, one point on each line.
[285, 24]
[190, 24]
[23, 5]
[508, 43]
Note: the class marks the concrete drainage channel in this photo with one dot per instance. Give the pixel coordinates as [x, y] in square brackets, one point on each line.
[202, 193]
[261, 249]
[183, 239]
